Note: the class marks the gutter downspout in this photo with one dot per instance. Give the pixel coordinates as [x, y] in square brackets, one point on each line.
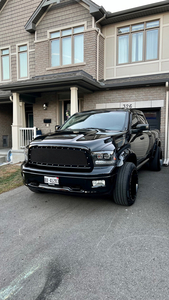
[98, 21]
[98, 38]
[98, 53]
[166, 158]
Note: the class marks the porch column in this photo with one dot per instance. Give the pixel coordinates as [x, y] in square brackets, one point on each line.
[16, 122]
[22, 114]
[74, 100]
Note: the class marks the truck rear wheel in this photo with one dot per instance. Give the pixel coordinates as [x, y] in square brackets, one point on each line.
[126, 187]
[155, 162]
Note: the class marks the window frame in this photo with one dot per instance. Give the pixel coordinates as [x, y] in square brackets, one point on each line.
[130, 34]
[1, 63]
[18, 60]
[60, 38]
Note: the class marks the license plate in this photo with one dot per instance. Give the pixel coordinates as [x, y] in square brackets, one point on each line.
[51, 180]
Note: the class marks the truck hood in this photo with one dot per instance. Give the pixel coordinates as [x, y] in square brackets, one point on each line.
[85, 138]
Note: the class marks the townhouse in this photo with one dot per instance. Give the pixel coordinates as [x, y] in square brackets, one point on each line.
[63, 56]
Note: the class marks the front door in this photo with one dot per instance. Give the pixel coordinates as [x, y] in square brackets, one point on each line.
[66, 110]
[30, 120]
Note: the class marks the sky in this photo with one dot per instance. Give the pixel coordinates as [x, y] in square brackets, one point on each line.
[117, 5]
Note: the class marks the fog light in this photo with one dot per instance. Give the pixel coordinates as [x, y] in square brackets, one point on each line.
[98, 183]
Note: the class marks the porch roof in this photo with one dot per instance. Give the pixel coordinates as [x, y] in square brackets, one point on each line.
[80, 79]
[137, 81]
[54, 82]
[4, 96]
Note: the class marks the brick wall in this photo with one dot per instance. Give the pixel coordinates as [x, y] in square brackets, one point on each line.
[5, 123]
[40, 114]
[129, 95]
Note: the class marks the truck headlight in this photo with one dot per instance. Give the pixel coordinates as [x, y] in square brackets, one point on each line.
[26, 153]
[104, 158]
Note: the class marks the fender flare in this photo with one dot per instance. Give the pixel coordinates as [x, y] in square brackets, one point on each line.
[156, 144]
[126, 155]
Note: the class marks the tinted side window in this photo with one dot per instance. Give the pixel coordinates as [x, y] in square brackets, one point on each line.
[141, 119]
[134, 121]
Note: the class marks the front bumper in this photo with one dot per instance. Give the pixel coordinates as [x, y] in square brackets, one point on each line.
[70, 182]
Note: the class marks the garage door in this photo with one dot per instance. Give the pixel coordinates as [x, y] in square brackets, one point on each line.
[153, 118]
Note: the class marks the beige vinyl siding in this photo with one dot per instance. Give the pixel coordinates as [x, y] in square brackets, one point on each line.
[138, 69]
[165, 43]
[113, 70]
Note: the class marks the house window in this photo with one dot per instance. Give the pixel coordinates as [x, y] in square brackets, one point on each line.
[138, 42]
[67, 46]
[23, 61]
[5, 66]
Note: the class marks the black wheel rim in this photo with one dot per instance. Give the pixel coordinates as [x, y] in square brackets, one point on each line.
[133, 185]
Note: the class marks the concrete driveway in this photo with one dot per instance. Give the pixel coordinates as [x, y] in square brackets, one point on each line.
[55, 247]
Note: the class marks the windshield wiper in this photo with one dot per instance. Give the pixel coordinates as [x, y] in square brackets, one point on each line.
[94, 128]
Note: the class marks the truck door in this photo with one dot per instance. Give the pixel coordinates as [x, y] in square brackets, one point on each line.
[140, 142]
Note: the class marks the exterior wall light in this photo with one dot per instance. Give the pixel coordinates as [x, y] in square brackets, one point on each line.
[45, 106]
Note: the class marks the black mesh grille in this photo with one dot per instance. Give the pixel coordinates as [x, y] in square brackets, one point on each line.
[61, 157]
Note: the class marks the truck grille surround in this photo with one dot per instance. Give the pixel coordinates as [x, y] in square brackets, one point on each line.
[60, 158]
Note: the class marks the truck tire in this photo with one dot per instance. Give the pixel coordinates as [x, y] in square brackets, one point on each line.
[155, 162]
[126, 187]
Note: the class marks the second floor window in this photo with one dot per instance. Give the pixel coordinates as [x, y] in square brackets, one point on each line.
[67, 46]
[23, 61]
[138, 42]
[5, 66]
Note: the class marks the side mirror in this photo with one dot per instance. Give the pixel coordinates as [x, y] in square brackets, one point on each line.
[141, 127]
[57, 127]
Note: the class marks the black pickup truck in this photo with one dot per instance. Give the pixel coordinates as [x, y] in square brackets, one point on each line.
[95, 152]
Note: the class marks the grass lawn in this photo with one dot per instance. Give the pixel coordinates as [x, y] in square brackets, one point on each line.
[10, 177]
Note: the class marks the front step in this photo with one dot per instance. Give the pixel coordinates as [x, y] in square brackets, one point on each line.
[3, 159]
[3, 155]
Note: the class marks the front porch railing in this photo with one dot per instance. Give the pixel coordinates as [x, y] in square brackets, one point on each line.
[26, 136]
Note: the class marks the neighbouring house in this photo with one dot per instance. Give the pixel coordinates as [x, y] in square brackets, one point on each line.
[63, 56]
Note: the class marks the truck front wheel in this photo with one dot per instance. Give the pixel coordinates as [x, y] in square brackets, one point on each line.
[126, 187]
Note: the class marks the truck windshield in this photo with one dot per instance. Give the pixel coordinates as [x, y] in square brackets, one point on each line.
[109, 120]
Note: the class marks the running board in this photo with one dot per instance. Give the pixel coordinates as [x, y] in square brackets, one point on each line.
[143, 163]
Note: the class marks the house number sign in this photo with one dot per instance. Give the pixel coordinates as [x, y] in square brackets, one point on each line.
[127, 105]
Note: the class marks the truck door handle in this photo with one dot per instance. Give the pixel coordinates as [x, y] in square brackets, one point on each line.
[142, 138]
